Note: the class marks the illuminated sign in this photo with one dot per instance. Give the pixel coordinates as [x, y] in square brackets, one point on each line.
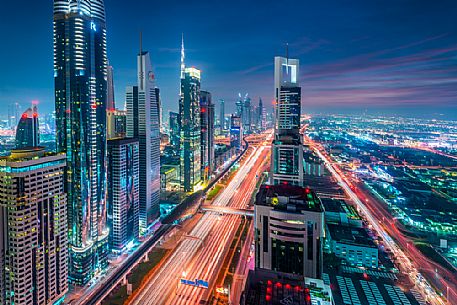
[196, 283]
[93, 27]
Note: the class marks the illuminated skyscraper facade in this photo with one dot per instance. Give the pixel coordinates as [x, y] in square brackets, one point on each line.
[190, 129]
[80, 74]
[174, 129]
[207, 134]
[287, 148]
[33, 228]
[123, 196]
[28, 129]
[110, 103]
[143, 124]
[222, 115]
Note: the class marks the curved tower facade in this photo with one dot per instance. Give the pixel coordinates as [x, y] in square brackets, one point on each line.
[28, 131]
[80, 74]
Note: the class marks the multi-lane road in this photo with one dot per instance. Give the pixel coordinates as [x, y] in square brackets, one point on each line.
[201, 254]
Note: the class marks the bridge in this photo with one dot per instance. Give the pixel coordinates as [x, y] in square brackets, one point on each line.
[227, 210]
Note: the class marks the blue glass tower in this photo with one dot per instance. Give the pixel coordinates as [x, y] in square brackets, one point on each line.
[80, 74]
[28, 131]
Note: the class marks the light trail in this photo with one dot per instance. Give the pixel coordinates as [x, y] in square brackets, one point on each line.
[201, 256]
[424, 286]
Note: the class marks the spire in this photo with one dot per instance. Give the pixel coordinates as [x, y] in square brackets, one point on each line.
[183, 56]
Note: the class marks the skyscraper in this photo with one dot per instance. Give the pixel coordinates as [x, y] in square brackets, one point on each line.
[189, 120]
[116, 122]
[189, 112]
[33, 222]
[123, 197]
[80, 75]
[261, 116]
[207, 134]
[110, 103]
[287, 148]
[247, 115]
[143, 124]
[174, 129]
[289, 230]
[28, 129]
[236, 132]
[222, 114]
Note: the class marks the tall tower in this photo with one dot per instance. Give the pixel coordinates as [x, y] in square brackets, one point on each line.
[222, 114]
[190, 128]
[207, 134]
[80, 76]
[28, 131]
[33, 222]
[143, 124]
[287, 148]
[110, 103]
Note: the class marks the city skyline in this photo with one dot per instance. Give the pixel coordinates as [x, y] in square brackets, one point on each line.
[309, 194]
[377, 60]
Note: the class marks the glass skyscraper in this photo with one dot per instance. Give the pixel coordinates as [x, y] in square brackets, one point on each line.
[80, 74]
[189, 113]
[207, 134]
[287, 148]
[28, 129]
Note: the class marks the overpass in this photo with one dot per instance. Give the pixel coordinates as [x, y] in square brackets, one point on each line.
[227, 210]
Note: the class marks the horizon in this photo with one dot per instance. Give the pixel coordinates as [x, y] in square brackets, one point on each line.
[379, 60]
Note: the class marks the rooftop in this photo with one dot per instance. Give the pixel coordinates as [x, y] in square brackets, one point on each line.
[289, 198]
[350, 236]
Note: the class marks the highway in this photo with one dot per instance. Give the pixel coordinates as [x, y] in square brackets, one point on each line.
[200, 256]
[409, 258]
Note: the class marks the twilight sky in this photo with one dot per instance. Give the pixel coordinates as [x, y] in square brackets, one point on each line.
[389, 55]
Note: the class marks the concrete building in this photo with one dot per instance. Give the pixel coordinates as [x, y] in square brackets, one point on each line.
[337, 211]
[353, 245]
[116, 123]
[143, 124]
[289, 230]
[287, 147]
[33, 228]
[123, 192]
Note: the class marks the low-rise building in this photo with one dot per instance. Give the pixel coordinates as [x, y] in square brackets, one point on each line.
[353, 245]
[337, 211]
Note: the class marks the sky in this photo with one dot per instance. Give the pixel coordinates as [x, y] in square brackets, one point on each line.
[391, 56]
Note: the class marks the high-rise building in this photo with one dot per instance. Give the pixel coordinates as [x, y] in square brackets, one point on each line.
[289, 230]
[28, 129]
[116, 123]
[123, 196]
[236, 132]
[247, 115]
[287, 148]
[13, 114]
[207, 134]
[239, 106]
[143, 124]
[174, 129]
[80, 76]
[189, 127]
[189, 113]
[110, 103]
[33, 222]
[222, 115]
[261, 116]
